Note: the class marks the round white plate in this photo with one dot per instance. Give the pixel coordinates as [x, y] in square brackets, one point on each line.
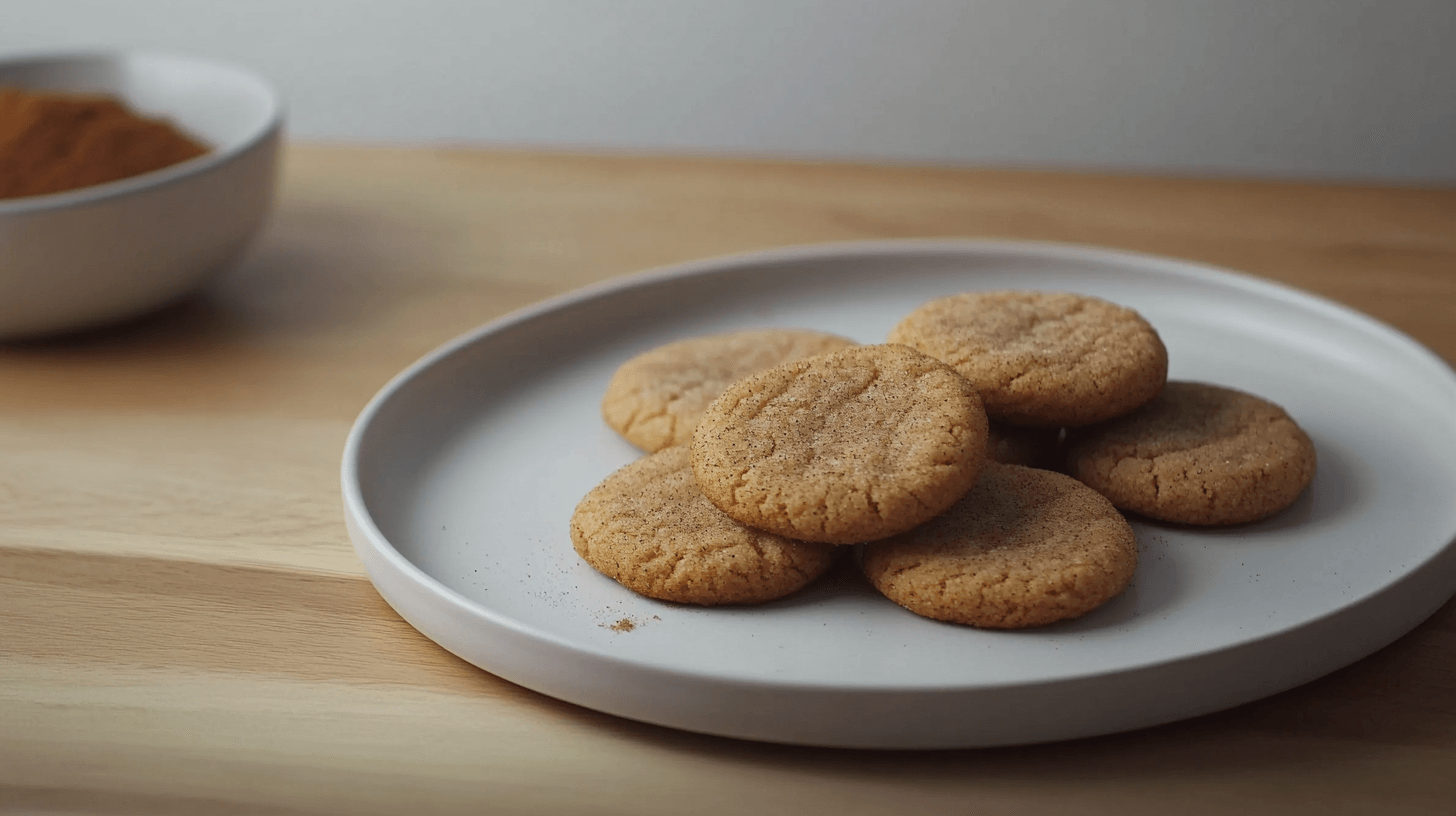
[461, 475]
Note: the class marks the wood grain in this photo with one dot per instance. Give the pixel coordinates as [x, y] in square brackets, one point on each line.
[184, 627]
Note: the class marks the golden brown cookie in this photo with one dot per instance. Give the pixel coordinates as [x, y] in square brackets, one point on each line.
[1198, 454]
[655, 398]
[1044, 359]
[846, 447]
[648, 527]
[1026, 547]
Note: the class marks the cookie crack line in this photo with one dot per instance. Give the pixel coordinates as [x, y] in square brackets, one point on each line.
[763, 403]
[635, 419]
[919, 501]
[758, 551]
[1038, 319]
[874, 504]
[844, 403]
[740, 484]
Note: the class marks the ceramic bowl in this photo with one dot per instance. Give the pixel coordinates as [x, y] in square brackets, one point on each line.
[104, 253]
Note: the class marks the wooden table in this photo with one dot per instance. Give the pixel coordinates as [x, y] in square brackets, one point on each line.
[184, 627]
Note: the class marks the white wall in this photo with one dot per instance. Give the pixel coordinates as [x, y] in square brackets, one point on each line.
[1355, 89]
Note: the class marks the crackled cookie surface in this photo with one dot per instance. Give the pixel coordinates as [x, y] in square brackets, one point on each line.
[648, 527]
[1025, 547]
[1043, 359]
[842, 448]
[656, 398]
[1198, 454]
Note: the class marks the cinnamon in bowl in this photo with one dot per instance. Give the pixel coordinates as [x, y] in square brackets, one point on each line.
[53, 142]
[116, 248]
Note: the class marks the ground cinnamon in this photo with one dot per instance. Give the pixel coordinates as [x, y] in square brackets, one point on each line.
[51, 142]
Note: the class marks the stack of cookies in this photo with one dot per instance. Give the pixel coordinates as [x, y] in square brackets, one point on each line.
[772, 451]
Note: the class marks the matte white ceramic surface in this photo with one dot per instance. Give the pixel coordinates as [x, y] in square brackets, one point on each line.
[461, 475]
[106, 252]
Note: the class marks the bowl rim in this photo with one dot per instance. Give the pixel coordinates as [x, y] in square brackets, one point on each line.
[155, 178]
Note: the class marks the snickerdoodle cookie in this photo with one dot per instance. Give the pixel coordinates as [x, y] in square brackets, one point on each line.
[1044, 359]
[1198, 454]
[846, 447]
[1026, 547]
[649, 527]
[655, 398]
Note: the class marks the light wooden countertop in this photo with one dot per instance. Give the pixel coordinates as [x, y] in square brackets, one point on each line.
[184, 627]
